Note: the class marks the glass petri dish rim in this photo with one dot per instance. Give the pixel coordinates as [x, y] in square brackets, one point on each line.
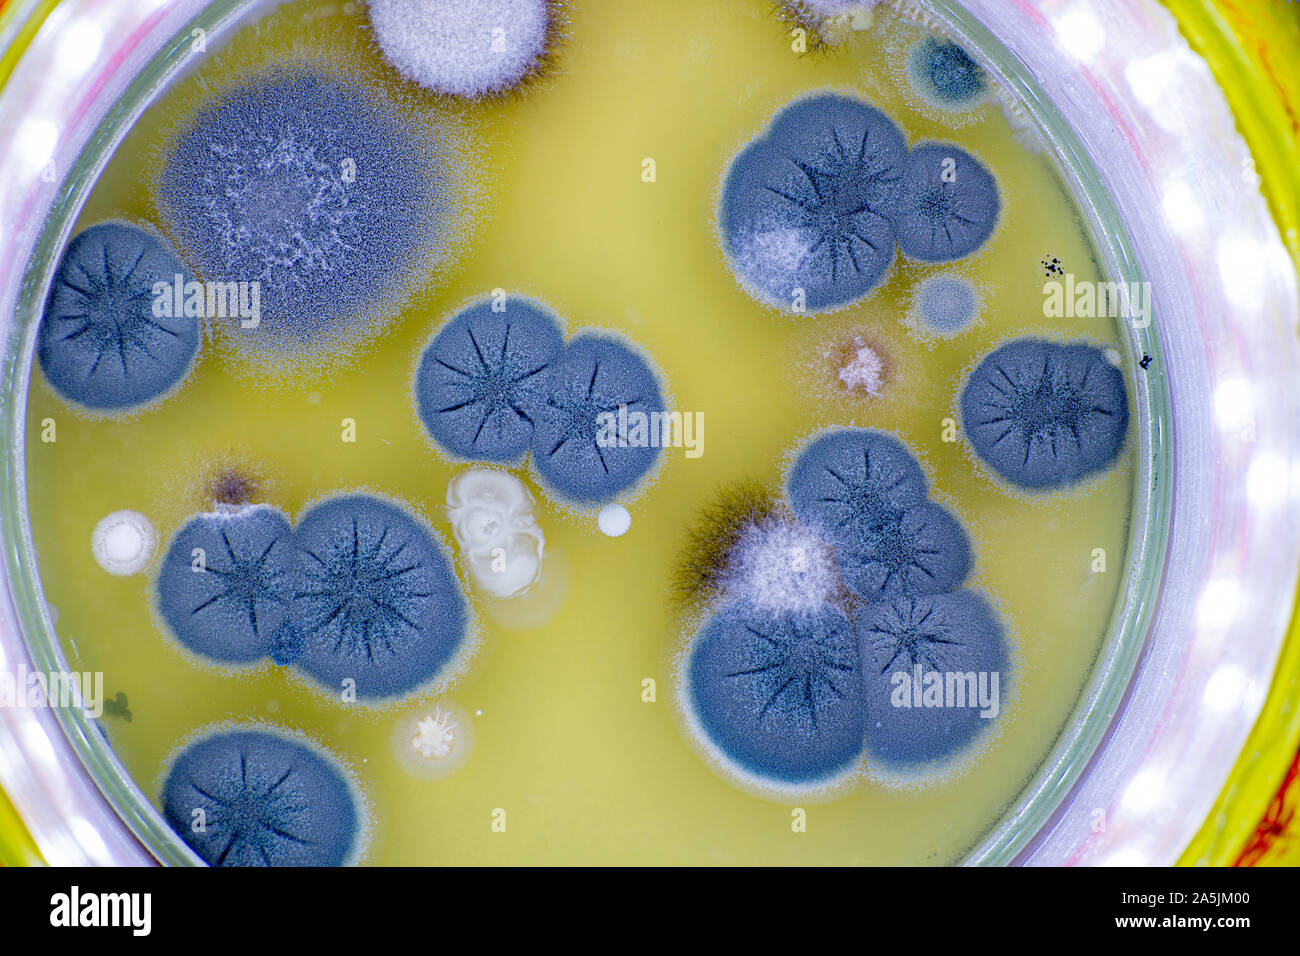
[121, 791]
[1131, 620]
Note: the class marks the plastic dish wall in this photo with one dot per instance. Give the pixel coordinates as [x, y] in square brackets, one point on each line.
[84, 57]
[1225, 299]
[1147, 112]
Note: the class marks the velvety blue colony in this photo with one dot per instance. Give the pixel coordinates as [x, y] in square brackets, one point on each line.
[225, 584]
[948, 204]
[1044, 415]
[377, 601]
[254, 798]
[594, 376]
[287, 643]
[944, 74]
[308, 186]
[853, 483]
[99, 343]
[954, 633]
[476, 385]
[781, 696]
[946, 304]
[924, 550]
[805, 207]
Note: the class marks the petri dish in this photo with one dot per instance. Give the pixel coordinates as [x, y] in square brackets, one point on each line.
[556, 685]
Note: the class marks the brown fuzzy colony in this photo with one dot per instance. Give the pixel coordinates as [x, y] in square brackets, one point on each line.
[232, 487]
[712, 538]
[819, 35]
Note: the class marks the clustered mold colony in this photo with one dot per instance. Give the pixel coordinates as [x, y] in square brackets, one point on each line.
[789, 691]
[227, 581]
[953, 634]
[309, 186]
[801, 668]
[781, 694]
[811, 210]
[359, 591]
[477, 385]
[804, 207]
[497, 381]
[865, 494]
[378, 600]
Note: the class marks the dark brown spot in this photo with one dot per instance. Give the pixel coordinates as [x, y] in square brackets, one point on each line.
[713, 536]
[233, 487]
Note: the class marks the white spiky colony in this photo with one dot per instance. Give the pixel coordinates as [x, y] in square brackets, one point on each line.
[779, 565]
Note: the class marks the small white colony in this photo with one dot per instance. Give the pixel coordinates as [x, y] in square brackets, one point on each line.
[614, 521]
[123, 542]
[467, 48]
[434, 737]
[434, 742]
